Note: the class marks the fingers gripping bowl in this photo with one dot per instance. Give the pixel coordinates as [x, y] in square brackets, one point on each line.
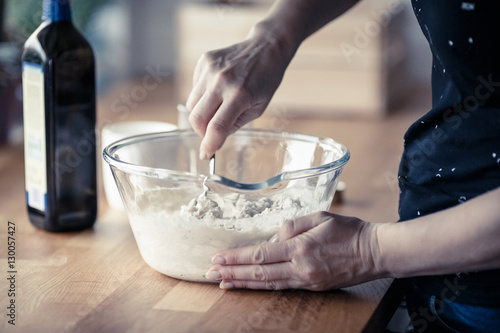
[262, 178]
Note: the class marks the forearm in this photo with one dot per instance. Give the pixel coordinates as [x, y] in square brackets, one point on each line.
[460, 239]
[292, 21]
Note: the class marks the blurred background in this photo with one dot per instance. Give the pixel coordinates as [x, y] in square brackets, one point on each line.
[361, 66]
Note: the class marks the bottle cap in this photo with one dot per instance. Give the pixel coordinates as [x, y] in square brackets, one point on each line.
[56, 10]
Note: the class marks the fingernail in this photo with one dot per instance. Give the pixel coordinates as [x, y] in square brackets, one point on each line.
[274, 239]
[204, 156]
[226, 285]
[218, 260]
[213, 275]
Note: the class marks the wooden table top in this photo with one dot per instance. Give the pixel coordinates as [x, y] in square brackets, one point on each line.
[96, 281]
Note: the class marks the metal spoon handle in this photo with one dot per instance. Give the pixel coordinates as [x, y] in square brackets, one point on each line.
[211, 170]
[211, 165]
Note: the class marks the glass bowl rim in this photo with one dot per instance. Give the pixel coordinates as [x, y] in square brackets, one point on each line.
[162, 173]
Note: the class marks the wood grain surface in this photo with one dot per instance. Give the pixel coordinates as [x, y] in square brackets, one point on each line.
[96, 281]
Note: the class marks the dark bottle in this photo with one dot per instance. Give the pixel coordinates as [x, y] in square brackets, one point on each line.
[59, 103]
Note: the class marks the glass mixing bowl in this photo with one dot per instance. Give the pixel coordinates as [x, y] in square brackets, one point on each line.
[181, 215]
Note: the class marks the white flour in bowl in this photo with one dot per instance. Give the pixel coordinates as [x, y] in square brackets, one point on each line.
[178, 237]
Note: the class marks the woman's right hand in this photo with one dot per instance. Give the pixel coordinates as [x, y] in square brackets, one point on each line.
[233, 85]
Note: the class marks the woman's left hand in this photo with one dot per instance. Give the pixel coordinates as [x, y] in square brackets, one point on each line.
[317, 252]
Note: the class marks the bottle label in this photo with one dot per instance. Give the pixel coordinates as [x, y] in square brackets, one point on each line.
[35, 164]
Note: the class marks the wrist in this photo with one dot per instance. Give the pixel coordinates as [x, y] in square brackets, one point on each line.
[281, 39]
[383, 263]
[396, 250]
[373, 265]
